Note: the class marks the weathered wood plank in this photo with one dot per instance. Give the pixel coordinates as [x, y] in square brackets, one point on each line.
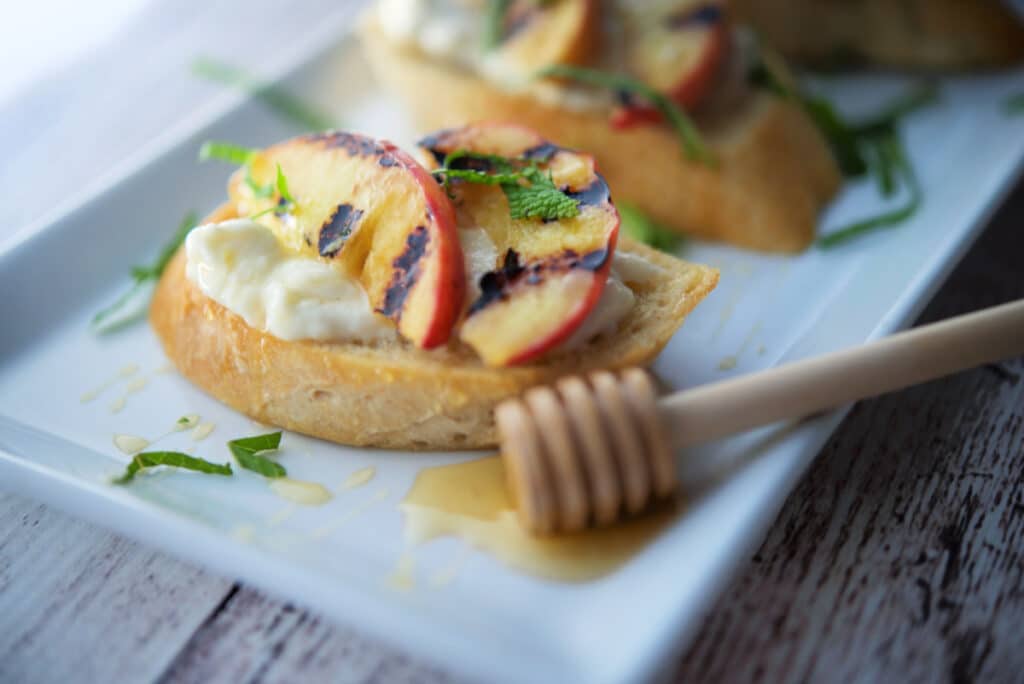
[81, 604]
[257, 639]
[899, 556]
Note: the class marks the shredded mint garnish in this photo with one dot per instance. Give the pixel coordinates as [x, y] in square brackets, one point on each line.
[642, 228]
[249, 452]
[896, 161]
[531, 193]
[227, 152]
[1014, 104]
[244, 157]
[280, 101]
[538, 198]
[494, 23]
[174, 459]
[871, 146]
[122, 312]
[689, 136]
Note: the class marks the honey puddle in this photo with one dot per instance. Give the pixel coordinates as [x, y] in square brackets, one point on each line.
[300, 491]
[469, 501]
[359, 477]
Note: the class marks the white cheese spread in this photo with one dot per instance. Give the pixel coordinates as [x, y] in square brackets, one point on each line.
[241, 265]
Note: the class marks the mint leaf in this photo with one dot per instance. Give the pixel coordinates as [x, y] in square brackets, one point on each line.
[174, 459]
[282, 186]
[122, 312]
[249, 451]
[530, 192]
[872, 145]
[539, 198]
[244, 156]
[891, 147]
[227, 152]
[642, 228]
[494, 23]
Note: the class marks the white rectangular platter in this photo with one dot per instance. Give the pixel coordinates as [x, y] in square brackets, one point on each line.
[489, 622]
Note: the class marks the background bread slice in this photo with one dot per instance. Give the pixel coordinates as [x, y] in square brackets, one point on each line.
[925, 34]
[392, 395]
[774, 176]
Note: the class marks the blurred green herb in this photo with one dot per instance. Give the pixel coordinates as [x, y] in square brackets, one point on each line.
[244, 157]
[122, 312]
[249, 452]
[641, 227]
[1014, 104]
[494, 23]
[279, 100]
[689, 137]
[871, 146]
[174, 459]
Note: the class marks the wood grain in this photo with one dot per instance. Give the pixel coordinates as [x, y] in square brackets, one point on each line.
[82, 604]
[253, 638]
[899, 556]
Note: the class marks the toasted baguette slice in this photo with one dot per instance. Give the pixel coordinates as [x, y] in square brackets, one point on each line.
[393, 395]
[916, 34]
[775, 171]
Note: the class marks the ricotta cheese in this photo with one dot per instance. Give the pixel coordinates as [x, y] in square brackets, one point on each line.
[241, 265]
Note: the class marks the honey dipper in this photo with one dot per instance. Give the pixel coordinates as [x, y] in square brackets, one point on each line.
[588, 451]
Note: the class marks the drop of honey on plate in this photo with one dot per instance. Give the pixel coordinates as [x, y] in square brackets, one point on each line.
[359, 477]
[350, 515]
[403, 577]
[186, 422]
[125, 372]
[202, 431]
[300, 491]
[470, 501]
[130, 444]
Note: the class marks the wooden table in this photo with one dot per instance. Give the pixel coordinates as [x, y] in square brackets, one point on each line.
[898, 557]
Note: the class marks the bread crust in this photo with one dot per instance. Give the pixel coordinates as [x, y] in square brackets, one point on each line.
[392, 395]
[774, 174]
[916, 34]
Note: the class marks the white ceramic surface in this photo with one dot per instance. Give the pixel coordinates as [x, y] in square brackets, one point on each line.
[491, 622]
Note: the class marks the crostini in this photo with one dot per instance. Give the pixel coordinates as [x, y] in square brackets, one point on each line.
[351, 292]
[665, 102]
[915, 34]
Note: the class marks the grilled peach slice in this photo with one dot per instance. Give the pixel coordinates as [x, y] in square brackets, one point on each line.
[369, 208]
[535, 35]
[676, 47]
[548, 274]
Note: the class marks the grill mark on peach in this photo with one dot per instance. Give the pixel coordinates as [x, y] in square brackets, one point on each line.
[496, 286]
[406, 272]
[336, 230]
[707, 15]
[595, 194]
[542, 152]
[354, 145]
[434, 143]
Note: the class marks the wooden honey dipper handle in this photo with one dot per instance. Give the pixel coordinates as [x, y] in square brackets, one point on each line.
[803, 388]
[590, 450]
